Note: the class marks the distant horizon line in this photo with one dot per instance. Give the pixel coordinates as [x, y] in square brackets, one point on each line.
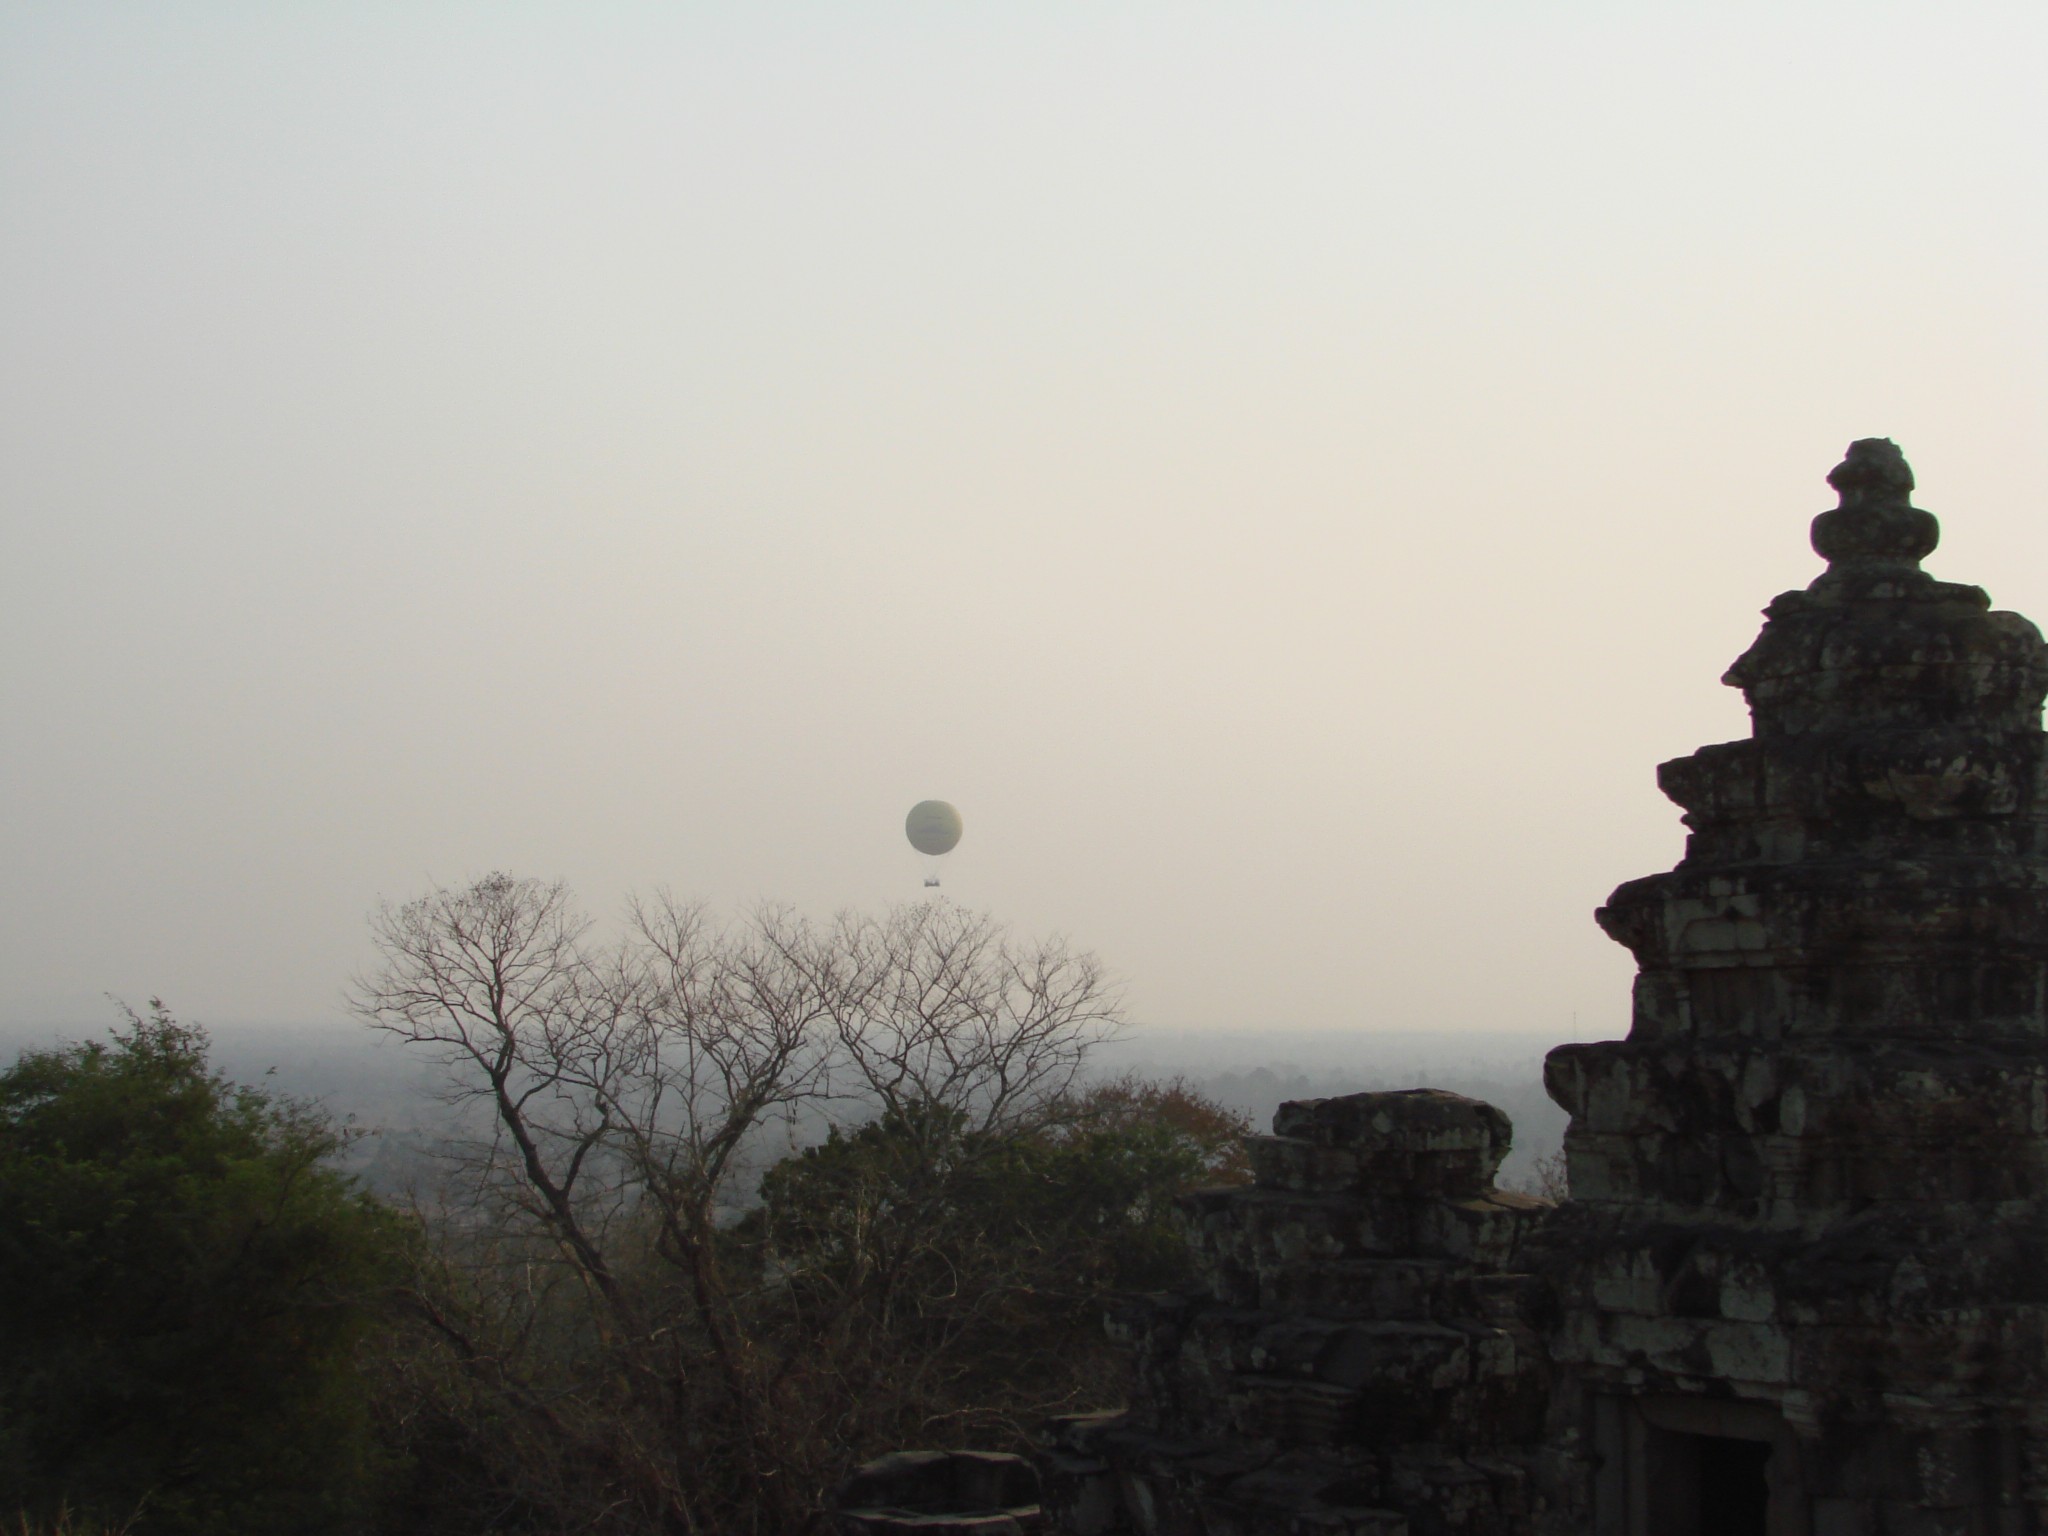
[112, 1015]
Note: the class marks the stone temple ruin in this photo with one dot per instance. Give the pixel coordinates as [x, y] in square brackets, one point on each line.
[1801, 1285]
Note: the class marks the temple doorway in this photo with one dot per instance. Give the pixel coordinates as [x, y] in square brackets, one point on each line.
[1710, 1485]
[1692, 1467]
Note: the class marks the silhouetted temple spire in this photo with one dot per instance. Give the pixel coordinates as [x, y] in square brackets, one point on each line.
[1810, 1189]
[1800, 1286]
[1876, 524]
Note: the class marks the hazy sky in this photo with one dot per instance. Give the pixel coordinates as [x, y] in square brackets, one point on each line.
[1287, 472]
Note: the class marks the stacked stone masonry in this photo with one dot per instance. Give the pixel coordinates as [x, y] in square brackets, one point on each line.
[1801, 1285]
[1359, 1347]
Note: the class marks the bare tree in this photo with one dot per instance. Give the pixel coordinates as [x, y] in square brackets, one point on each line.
[1550, 1178]
[941, 1007]
[600, 1298]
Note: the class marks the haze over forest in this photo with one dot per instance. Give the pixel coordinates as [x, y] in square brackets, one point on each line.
[1286, 474]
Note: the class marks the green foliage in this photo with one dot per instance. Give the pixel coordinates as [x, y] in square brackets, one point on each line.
[183, 1286]
[1088, 1191]
[994, 1251]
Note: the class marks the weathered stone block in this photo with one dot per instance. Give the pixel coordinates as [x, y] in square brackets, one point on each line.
[1486, 1230]
[1416, 1142]
[1301, 1167]
[1405, 1120]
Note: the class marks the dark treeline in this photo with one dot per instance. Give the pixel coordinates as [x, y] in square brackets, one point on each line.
[698, 1220]
[655, 1235]
[378, 1087]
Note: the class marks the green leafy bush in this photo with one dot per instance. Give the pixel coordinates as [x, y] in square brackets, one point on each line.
[183, 1287]
[973, 1265]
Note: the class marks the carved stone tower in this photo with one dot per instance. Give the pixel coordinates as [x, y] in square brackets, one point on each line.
[1801, 1285]
[1802, 1280]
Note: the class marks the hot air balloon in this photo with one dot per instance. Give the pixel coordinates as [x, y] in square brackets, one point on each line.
[933, 828]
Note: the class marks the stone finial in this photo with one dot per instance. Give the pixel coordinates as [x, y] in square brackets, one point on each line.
[1876, 524]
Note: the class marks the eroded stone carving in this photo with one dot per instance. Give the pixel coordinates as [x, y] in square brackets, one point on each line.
[1810, 1184]
[1801, 1286]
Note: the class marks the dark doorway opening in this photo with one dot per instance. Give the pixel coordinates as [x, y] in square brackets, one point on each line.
[1735, 1499]
[1705, 1485]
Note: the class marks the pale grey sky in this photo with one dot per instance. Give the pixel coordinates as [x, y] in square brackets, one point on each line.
[1287, 473]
